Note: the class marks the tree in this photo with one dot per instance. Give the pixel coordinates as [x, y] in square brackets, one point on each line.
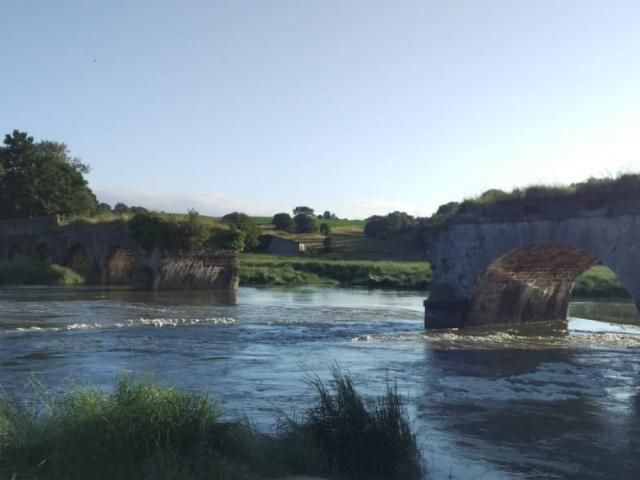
[303, 211]
[325, 229]
[228, 238]
[305, 223]
[327, 215]
[41, 178]
[104, 208]
[391, 224]
[243, 222]
[282, 221]
[327, 243]
[121, 208]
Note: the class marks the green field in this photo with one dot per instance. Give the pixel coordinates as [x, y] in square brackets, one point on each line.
[279, 270]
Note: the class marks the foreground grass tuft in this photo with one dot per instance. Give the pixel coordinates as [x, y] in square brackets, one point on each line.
[37, 273]
[143, 431]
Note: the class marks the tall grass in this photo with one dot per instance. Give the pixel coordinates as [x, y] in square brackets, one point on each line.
[276, 270]
[37, 273]
[143, 431]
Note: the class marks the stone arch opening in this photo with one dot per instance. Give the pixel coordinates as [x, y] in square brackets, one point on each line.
[43, 253]
[17, 253]
[78, 259]
[119, 266]
[532, 283]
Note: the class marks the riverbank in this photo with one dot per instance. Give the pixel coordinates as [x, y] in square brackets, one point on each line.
[142, 430]
[37, 273]
[281, 270]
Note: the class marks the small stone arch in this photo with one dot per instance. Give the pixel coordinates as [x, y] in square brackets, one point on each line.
[78, 260]
[530, 283]
[43, 253]
[17, 253]
[119, 266]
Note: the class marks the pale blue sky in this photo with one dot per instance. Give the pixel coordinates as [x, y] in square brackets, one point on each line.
[356, 106]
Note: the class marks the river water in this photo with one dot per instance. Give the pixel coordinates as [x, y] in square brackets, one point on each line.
[561, 404]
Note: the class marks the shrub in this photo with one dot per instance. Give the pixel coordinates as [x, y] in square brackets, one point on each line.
[37, 273]
[283, 221]
[325, 229]
[327, 243]
[228, 239]
[243, 222]
[363, 441]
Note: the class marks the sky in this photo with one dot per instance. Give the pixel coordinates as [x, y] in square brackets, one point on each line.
[359, 107]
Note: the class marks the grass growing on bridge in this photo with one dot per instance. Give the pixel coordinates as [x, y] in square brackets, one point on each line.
[144, 431]
[37, 273]
[281, 270]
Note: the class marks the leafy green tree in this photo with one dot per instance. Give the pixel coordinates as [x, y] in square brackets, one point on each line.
[303, 211]
[305, 223]
[104, 208]
[121, 208]
[327, 215]
[228, 239]
[325, 229]
[244, 223]
[328, 244]
[41, 178]
[390, 224]
[282, 221]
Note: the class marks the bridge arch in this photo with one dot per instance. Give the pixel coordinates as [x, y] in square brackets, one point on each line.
[529, 283]
[78, 260]
[17, 252]
[43, 253]
[119, 266]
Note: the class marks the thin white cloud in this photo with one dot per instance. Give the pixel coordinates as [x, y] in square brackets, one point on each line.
[365, 207]
[215, 203]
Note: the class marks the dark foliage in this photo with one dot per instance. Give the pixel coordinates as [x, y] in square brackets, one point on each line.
[41, 178]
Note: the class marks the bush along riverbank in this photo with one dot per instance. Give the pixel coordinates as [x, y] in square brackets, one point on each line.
[37, 273]
[143, 431]
[599, 282]
[276, 270]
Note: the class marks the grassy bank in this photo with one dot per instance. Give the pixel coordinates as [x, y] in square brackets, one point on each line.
[143, 431]
[277, 270]
[37, 273]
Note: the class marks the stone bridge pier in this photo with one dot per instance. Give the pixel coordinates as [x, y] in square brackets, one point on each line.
[511, 272]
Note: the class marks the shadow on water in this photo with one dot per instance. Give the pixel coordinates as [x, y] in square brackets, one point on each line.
[121, 294]
[561, 413]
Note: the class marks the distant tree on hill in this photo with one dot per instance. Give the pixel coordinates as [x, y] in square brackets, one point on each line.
[245, 224]
[41, 178]
[390, 224]
[303, 211]
[325, 229]
[121, 208]
[104, 208]
[305, 223]
[282, 221]
[138, 210]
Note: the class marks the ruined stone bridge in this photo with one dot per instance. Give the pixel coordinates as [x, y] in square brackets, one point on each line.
[518, 261]
[106, 254]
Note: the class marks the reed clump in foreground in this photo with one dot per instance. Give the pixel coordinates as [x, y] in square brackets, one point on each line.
[143, 431]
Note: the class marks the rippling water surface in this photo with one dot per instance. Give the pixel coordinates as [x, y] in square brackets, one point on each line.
[554, 404]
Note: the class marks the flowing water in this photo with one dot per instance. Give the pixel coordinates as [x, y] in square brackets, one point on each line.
[558, 404]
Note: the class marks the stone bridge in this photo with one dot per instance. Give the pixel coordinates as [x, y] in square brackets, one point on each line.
[106, 254]
[518, 261]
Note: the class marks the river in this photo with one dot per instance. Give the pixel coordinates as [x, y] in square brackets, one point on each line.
[562, 404]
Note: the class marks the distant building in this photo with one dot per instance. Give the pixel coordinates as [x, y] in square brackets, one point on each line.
[283, 246]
